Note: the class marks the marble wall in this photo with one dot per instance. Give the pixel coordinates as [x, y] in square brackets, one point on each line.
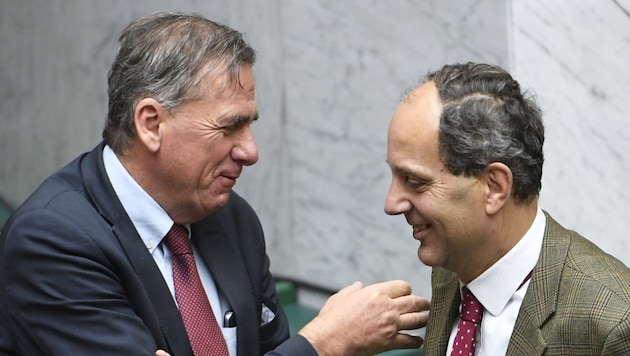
[576, 57]
[345, 67]
[329, 76]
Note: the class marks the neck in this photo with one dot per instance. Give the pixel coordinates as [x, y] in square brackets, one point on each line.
[141, 167]
[507, 228]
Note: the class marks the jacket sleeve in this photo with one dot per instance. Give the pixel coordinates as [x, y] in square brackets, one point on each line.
[60, 293]
[294, 346]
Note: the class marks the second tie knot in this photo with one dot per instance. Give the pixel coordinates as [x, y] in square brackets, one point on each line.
[178, 241]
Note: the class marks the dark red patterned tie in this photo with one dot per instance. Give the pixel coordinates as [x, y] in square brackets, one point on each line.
[201, 325]
[469, 323]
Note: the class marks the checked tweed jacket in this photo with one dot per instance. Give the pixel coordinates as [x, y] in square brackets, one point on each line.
[577, 303]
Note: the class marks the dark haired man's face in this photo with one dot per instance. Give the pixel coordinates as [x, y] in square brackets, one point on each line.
[445, 211]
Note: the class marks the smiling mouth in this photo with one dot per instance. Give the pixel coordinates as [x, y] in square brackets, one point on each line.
[420, 230]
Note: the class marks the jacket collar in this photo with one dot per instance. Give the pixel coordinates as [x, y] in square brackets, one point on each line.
[541, 299]
[445, 286]
[540, 302]
[171, 333]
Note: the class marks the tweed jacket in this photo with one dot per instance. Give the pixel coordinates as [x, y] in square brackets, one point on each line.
[577, 303]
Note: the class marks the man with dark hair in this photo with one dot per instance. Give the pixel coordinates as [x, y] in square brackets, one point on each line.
[466, 154]
[141, 247]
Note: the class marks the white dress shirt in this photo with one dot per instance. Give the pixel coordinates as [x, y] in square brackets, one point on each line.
[498, 291]
[152, 224]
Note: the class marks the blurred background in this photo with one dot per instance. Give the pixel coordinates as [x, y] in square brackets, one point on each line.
[329, 77]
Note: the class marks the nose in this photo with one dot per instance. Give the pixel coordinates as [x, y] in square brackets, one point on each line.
[396, 202]
[245, 151]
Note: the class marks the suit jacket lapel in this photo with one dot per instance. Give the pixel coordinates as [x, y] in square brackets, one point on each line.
[166, 311]
[444, 309]
[99, 188]
[539, 304]
[229, 273]
[541, 299]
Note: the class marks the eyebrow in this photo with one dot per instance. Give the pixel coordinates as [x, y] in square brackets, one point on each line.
[241, 120]
[409, 170]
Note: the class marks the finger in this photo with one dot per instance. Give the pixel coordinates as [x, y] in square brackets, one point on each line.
[404, 341]
[393, 289]
[351, 288]
[410, 321]
[411, 303]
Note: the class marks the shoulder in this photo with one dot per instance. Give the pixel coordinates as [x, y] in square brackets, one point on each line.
[61, 198]
[588, 271]
[61, 211]
[587, 290]
[64, 189]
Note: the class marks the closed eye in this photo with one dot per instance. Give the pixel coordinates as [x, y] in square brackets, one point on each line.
[237, 122]
[416, 184]
[411, 179]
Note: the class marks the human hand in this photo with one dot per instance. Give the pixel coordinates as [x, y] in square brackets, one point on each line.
[161, 353]
[367, 320]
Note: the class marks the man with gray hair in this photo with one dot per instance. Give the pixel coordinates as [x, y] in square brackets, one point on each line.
[140, 247]
[466, 153]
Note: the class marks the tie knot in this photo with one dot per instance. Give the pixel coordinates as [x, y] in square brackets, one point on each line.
[178, 241]
[472, 310]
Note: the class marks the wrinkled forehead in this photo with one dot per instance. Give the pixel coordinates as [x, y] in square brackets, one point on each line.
[217, 80]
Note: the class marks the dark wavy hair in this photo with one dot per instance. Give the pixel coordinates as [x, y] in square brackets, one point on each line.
[487, 118]
[164, 56]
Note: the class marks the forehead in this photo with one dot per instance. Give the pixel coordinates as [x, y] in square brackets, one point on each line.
[230, 95]
[425, 103]
[218, 83]
[413, 131]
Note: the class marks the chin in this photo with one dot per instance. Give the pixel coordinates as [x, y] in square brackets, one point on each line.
[427, 258]
[218, 201]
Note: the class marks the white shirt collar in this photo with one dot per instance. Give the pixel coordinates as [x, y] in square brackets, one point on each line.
[494, 287]
[150, 220]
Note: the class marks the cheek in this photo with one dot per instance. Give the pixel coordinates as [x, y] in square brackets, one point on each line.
[429, 204]
[211, 165]
[217, 147]
[206, 169]
[209, 154]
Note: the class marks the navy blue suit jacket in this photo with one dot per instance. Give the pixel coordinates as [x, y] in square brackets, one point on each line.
[76, 278]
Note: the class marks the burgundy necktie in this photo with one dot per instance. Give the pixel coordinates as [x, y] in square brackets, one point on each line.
[470, 321]
[201, 325]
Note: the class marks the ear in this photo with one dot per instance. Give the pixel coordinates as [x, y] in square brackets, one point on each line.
[147, 119]
[498, 179]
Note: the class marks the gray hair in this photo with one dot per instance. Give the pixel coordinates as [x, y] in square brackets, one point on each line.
[486, 118]
[164, 56]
